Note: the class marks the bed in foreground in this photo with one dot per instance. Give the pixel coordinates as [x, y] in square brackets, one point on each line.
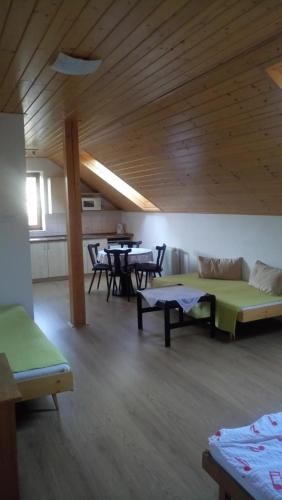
[235, 300]
[38, 366]
[247, 462]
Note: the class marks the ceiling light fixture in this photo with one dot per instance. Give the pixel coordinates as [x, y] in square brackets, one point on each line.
[69, 65]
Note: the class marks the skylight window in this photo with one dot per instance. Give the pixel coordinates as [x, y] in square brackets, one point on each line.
[117, 183]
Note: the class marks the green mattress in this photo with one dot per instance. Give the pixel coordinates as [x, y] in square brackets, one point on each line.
[24, 344]
[231, 297]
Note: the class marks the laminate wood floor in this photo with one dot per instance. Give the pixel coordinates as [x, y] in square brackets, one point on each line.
[139, 418]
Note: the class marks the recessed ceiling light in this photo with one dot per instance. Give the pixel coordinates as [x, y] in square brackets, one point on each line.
[69, 65]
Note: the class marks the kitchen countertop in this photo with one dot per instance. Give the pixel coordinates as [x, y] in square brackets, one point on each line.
[63, 237]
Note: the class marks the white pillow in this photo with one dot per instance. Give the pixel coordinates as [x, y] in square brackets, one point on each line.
[266, 278]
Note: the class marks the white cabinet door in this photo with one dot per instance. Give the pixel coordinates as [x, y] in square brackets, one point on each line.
[39, 260]
[57, 259]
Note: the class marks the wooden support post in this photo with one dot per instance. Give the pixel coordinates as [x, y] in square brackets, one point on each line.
[75, 252]
[9, 394]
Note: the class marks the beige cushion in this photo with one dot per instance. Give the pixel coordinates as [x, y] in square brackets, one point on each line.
[266, 278]
[222, 269]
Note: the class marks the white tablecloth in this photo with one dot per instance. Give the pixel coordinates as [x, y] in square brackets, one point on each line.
[186, 297]
[137, 255]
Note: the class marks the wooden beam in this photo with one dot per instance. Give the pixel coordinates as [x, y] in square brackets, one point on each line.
[75, 252]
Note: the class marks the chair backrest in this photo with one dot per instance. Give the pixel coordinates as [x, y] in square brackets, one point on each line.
[119, 263]
[93, 252]
[135, 244]
[130, 243]
[160, 256]
[123, 244]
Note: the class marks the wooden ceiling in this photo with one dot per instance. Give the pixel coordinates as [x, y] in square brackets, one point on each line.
[182, 107]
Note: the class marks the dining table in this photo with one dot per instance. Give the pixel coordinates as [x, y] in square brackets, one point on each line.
[136, 256]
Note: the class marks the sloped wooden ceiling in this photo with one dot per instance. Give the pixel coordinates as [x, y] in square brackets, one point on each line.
[182, 107]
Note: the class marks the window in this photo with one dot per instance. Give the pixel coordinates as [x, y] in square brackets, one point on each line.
[34, 203]
[117, 183]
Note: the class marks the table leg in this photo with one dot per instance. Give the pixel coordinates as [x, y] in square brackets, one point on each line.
[181, 316]
[139, 311]
[167, 324]
[212, 316]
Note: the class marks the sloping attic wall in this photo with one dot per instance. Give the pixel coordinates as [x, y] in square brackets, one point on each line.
[181, 108]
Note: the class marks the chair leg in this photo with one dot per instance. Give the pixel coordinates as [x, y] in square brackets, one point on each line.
[99, 279]
[92, 281]
[146, 280]
[107, 278]
[137, 278]
[115, 288]
[109, 288]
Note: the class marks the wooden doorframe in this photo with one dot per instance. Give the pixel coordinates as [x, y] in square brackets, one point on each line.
[74, 224]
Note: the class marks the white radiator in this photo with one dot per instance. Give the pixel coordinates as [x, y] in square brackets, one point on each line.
[176, 261]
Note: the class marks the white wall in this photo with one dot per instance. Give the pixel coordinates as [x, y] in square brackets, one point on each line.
[247, 236]
[15, 270]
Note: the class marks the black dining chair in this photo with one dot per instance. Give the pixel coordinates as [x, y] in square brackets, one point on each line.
[119, 273]
[150, 268]
[131, 244]
[96, 265]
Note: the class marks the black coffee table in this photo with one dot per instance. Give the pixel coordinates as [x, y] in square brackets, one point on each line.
[166, 306]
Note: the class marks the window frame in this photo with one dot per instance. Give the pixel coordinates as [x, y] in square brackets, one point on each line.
[38, 226]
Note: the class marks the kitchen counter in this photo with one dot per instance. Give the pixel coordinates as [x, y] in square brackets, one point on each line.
[63, 237]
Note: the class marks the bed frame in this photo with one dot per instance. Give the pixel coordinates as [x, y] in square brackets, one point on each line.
[228, 487]
[268, 311]
[45, 386]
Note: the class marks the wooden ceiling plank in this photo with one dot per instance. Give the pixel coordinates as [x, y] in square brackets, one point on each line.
[158, 75]
[162, 131]
[62, 23]
[5, 6]
[83, 27]
[167, 8]
[37, 25]
[18, 15]
[141, 57]
[157, 111]
[166, 64]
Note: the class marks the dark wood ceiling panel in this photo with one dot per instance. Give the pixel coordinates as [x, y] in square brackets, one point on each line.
[182, 107]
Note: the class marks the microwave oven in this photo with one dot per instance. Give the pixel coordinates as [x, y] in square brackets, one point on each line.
[90, 203]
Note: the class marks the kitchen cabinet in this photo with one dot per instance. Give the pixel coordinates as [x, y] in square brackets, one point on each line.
[39, 260]
[49, 259]
[57, 258]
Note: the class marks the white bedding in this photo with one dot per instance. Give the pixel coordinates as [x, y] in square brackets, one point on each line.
[253, 455]
[42, 372]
